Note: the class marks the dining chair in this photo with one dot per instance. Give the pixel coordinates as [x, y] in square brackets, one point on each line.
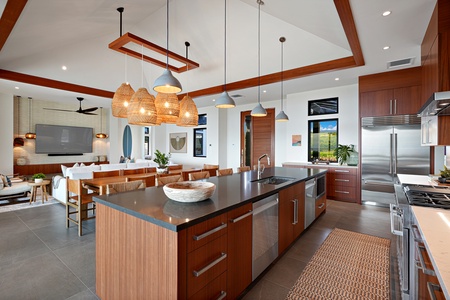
[175, 167]
[133, 171]
[211, 169]
[163, 180]
[101, 174]
[148, 179]
[223, 172]
[79, 203]
[243, 169]
[150, 170]
[199, 175]
[185, 173]
[120, 187]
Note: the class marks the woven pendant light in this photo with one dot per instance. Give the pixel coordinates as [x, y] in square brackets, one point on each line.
[141, 110]
[167, 108]
[188, 113]
[121, 100]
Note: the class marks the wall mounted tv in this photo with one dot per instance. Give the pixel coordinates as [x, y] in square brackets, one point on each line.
[63, 140]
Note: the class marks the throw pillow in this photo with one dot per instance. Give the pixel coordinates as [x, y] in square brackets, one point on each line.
[4, 181]
[82, 165]
[76, 165]
[91, 165]
[132, 160]
[64, 170]
[1, 185]
[8, 181]
[122, 160]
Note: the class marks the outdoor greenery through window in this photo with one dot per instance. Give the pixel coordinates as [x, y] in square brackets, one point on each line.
[322, 139]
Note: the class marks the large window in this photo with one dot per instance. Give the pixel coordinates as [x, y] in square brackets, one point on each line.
[322, 139]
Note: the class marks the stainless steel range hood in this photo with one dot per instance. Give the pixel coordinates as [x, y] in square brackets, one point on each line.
[437, 104]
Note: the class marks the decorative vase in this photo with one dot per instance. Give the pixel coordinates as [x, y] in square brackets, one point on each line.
[353, 159]
[38, 180]
[21, 161]
[162, 170]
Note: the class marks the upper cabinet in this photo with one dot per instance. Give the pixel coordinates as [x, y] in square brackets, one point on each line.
[390, 93]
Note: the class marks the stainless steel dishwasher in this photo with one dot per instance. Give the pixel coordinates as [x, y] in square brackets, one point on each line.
[265, 234]
[310, 201]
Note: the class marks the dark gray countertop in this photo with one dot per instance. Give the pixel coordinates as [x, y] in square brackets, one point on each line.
[152, 204]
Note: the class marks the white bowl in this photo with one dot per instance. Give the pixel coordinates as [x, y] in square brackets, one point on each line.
[189, 191]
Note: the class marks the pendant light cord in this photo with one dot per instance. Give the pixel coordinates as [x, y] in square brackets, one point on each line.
[167, 35]
[260, 2]
[187, 44]
[282, 40]
[29, 114]
[225, 50]
[142, 65]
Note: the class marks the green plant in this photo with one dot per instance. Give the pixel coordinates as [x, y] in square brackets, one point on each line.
[342, 152]
[445, 173]
[38, 175]
[161, 159]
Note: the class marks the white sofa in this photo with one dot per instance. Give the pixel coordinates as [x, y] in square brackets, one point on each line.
[59, 186]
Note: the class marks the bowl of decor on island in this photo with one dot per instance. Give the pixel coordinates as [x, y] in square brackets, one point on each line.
[189, 191]
[38, 177]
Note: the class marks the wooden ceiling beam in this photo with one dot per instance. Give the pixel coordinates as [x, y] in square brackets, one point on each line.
[11, 14]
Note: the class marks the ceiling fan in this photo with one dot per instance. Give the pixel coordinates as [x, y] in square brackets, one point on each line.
[87, 111]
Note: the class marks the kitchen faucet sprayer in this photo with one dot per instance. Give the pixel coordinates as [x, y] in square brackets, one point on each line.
[259, 164]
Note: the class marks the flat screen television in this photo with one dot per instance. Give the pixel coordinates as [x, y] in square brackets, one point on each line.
[63, 140]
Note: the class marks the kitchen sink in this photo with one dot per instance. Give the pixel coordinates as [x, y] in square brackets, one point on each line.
[273, 180]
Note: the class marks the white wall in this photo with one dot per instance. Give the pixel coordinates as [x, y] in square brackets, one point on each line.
[6, 134]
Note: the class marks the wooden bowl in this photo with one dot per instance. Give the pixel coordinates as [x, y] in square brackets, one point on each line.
[189, 191]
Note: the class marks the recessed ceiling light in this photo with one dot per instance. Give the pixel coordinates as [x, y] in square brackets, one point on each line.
[64, 68]
[386, 13]
[16, 87]
[214, 100]
[337, 78]
[264, 91]
[386, 47]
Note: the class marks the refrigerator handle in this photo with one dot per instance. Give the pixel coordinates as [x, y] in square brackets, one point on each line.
[390, 154]
[395, 154]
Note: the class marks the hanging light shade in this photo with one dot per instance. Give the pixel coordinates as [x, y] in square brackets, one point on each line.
[142, 110]
[101, 135]
[18, 141]
[259, 110]
[282, 117]
[188, 113]
[167, 108]
[167, 83]
[224, 100]
[30, 135]
[121, 100]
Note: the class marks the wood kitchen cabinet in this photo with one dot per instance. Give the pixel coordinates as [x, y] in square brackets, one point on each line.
[342, 184]
[239, 250]
[291, 215]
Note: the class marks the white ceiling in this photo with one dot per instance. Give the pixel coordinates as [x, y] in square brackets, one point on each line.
[52, 33]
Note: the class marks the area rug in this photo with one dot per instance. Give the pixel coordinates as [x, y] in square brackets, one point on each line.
[348, 265]
[26, 205]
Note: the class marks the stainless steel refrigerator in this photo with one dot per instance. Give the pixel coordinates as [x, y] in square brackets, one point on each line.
[390, 146]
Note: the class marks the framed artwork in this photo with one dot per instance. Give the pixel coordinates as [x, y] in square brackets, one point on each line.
[323, 106]
[296, 140]
[178, 142]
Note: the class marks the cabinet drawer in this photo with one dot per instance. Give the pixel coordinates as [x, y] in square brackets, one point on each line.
[345, 171]
[321, 205]
[215, 290]
[337, 179]
[206, 263]
[343, 193]
[202, 233]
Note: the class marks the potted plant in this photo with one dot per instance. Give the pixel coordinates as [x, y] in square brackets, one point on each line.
[343, 152]
[38, 177]
[162, 160]
[445, 175]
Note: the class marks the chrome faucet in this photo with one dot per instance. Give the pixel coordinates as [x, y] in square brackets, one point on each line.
[259, 164]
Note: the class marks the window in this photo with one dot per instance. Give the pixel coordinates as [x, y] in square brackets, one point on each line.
[146, 141]
[202, 119]
[322, 139]
[200, 142]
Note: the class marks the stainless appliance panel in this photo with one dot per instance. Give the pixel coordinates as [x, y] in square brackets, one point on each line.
[412, 158]
[310, 201]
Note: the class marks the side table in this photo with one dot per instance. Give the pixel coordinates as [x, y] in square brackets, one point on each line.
[34, 188]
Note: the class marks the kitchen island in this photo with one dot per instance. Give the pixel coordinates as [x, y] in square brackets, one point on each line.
[150, 247]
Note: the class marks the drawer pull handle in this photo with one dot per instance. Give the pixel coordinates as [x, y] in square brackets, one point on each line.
[421, 263]
[321, 206]
[343, 180]
[342, 192]
[203, 235]
[223, 294]
[212, 264]
[235, 220]
[342, 171]
[432, 289]
[416, 233]
[295, 201]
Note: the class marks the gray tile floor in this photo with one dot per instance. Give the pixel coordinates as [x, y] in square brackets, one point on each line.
[41, 259]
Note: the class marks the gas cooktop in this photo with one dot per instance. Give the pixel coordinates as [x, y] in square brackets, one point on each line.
[431, 196]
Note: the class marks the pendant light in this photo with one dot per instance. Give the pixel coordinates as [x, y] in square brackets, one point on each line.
[167, 83]
[259, 110]
[142, 110]
[101, 135]
[224, 100]
[188, 116]
[167, 108]
[30, 135]
[282, 117]
[122, 96]
[18, 141]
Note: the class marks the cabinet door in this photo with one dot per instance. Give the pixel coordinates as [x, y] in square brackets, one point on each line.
[407, 100]
[376, 103]
[239, 250]
[285, 218]
[299, 204]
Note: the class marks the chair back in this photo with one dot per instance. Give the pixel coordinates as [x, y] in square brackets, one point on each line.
[101, 174]
[150, 170]
[148, 179]
[163, 180]
[186, 173]
[208, 166]
[175, 167]
[73, 190]
[133, 171]
[121, 187]
[243, 169]
[199, 175]
[223, 172]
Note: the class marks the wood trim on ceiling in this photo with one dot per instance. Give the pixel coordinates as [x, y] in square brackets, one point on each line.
[345, 14]
[11, 14]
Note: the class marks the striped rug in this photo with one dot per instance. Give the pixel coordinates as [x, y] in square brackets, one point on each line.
[348, 265]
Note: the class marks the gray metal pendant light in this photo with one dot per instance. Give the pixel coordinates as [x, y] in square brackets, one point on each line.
[167, 83]
[224, 100]
[282, 117]
[259, 110]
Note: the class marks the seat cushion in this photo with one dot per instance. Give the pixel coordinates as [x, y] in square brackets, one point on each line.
[15, 188]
